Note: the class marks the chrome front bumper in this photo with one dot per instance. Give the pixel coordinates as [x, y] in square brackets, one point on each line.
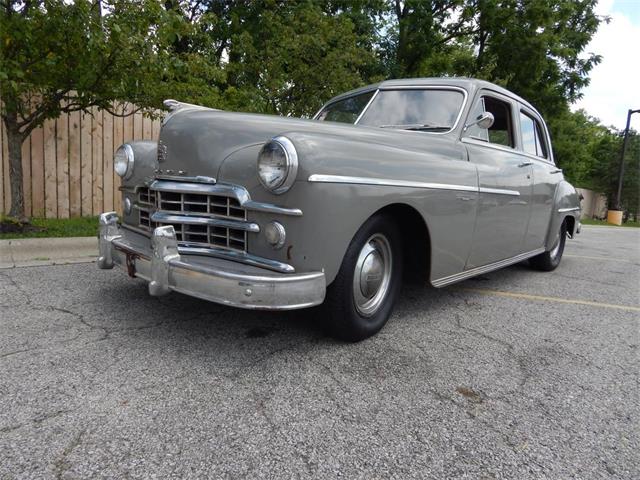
[159, 262]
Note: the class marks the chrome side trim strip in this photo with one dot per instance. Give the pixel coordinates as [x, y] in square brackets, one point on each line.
[457, 277]
[569, 209]
[318, 178]
[162, 217]
[499, 191]
[406, 183]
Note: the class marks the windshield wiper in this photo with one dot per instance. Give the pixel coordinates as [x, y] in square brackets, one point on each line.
[418, 127]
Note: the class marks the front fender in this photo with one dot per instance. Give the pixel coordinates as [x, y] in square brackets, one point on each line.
[333, 212]
[145, 155]
[566, 203]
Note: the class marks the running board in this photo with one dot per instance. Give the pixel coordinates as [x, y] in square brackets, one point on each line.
[441, 282]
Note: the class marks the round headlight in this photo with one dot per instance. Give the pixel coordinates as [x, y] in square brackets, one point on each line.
[278, 165]
[123, 161]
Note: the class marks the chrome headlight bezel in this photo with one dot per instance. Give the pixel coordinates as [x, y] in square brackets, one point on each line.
[123, 161]
[290, 161]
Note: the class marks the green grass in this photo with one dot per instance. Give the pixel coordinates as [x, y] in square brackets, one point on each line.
[56, 227]
[591, 221]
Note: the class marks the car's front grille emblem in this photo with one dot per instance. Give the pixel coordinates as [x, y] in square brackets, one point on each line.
[162, 152]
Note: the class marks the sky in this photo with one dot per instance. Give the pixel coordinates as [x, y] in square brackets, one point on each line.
[615, 82]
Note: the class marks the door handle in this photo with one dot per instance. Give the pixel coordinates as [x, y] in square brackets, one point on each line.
[558, 170]
[525, 164]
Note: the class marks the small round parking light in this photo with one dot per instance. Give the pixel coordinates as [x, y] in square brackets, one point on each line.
[127, 205]
[275, 234]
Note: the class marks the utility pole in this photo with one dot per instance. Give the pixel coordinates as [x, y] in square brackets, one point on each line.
[618, 204]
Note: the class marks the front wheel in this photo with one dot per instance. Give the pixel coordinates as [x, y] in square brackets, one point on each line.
[361, 298]
[550, 260]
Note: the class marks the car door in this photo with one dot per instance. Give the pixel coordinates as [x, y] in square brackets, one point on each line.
[504, 178]
[545, 175]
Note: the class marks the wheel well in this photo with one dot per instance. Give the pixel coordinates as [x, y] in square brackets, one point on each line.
[415, 238]
[571, 223]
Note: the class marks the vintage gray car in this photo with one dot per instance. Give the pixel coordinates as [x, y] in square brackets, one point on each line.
[440, 178]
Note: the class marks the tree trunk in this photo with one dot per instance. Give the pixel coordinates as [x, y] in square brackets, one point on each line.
[14, 147]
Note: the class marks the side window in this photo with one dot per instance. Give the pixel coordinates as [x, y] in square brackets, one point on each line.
[501, 132]
[532, 138]
[346, 110]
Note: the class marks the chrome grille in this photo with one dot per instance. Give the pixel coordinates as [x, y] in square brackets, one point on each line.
[196, 209]
[198, 203]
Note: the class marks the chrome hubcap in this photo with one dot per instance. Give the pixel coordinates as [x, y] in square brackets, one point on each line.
[372, 275]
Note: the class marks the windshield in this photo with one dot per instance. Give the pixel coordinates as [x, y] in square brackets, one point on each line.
[408, 109]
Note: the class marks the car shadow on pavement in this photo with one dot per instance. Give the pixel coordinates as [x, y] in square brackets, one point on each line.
[138, 311]
[133, 310]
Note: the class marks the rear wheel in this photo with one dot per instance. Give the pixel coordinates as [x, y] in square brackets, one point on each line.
[550, 260]
[361, 298]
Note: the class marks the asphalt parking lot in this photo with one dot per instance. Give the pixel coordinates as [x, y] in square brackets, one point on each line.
[515, 374]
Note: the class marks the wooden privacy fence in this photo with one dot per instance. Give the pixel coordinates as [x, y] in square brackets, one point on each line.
[68, 163]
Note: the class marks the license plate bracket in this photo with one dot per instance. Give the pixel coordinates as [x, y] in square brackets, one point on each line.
[130, 260]
[131, 263]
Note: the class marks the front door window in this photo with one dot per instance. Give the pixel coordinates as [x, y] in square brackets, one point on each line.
[501, 132]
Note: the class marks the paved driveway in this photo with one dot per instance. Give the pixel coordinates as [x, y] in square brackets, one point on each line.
[515, 374]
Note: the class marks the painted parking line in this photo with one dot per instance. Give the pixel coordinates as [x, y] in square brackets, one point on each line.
[542, 298]
[626, 260]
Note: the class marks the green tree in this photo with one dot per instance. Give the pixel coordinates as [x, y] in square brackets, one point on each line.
[606, 152]
[574, 136]
[287, 57]
[532, 47]
[58, 56]
[535, 47]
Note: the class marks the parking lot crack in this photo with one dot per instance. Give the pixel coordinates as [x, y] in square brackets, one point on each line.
[16, 352]
[48, 416]
[62, 464]
[11, 428]
[332, 375]
[17, 286]
[509, 348]
[82, 320]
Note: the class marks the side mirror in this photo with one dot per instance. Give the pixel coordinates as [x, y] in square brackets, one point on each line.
[484, 120]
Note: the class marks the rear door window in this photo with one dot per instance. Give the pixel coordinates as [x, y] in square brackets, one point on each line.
[532, 137]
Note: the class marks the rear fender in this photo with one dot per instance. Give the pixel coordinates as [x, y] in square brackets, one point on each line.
[566, 203]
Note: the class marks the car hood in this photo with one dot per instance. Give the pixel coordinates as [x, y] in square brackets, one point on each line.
[198, 141]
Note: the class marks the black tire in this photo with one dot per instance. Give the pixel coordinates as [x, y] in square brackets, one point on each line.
[342, 311]
[550, 260]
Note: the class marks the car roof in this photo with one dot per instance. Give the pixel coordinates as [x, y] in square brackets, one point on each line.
[471, 85]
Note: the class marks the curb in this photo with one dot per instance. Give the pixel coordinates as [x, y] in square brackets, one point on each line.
[34, 252]
[609, 226]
